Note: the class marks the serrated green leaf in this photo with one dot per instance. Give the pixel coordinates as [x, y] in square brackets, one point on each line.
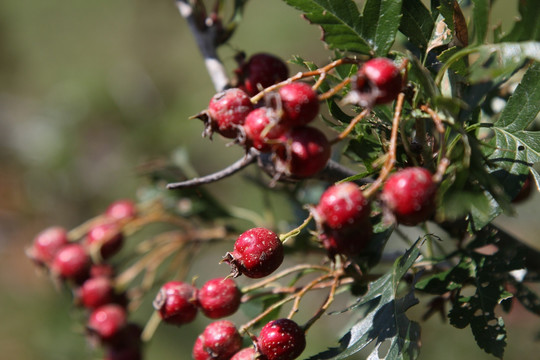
[416, 23]
[380, 22]
[445, 281]
[340, 22]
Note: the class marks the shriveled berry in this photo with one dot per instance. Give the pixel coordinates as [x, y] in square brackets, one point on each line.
[305, 152]
[106, 237]
[257, 253]
[95, 292]
[347, 241]
[219, 298]
[228, 110]
[379, 81]
[71, 262]
[121, 209]
[176, 302]
[299, 103]
[107, 321]
[220, 340]
[262, 128]
[47, 243]
[342, 205]
[410, 195]
[281, 339]
[248, 354]
[260, 71]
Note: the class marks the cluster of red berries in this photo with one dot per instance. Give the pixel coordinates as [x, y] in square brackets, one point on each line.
[81, 266]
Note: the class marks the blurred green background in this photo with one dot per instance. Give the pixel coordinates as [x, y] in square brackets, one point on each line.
[89, 91]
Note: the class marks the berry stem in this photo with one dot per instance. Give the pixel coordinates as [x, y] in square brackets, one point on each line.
[304, 290]
[334, 90]
[351, 126]
[329, 299]
[296, 231]
[151, 327]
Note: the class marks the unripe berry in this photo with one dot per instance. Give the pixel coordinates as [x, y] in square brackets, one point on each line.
[106, 237]
[71, 262]
[121, 209]
[281, 339]
[107, 321]
[410, 195]
[261, 127]
[248, 354]
[299, 103]
[95, 292]
[379, 80]
[257, 253]
[342, 205]
[46, 244]
[219, 298]
[219, 341]
[347, 241]
[304, 153]
[228, 110]
[260, 71]
[176, 303]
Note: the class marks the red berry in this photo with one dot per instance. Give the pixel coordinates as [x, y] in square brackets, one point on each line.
[95, 292]
[107, 238]
[257, 253]
[126, 345]
[71, 262]
[47, 243]
[121, 209]
[410, 195]
[525, 191]
[305, 152]
[261, 71]
[342, 205]
[299, 103]
[247, 354]
[107, 321]
[228, 110]
[281, 339]
[261, 127]
[97, 270]
[348, 241]
[379, 80]
[130, 353]
[219, 298]
[176, 303]
[219, 341]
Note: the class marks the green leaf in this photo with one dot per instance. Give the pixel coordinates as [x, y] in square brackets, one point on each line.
[416, 23]
[445, 281]
[380, 22]
[481, 19]
[528, 27]
[384, 320]
[340, 22]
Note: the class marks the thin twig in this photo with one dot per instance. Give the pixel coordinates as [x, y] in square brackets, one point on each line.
[283, 273]
[351, 126]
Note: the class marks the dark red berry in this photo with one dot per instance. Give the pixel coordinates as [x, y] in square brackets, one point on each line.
[126, 345]
[95, 292]
[347, 241]
[342, 205]
[106, 237]
[228, 110]
[247, 354]
[299, 103]
[107, 321]
[219, 298]
[219, 341]
[47, 243]
[260, 71]
[106, 270]
[304, 153]
[378, 81]
[257, 253]
[71, 262]
[176, 303]
[262, 128]
[130, 353]
[121, 209]
[525, 191]
[281, 339]
[410, 195]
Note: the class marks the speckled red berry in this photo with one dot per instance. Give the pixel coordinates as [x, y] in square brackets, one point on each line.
[71, 262]
[47, 243]
[248, 354]
[121, 209]
[262, 128]
[107, 321]
[379, 79]
[342, 205]
[410, 195]
[95, 292]
[257, 253]
[347, 241]
[228, 110]
[106, 237]
[260, 71]
[220, 340]
[219, 298]
[299, 103]
[281, 339]
[176, 303]
[304, 153]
